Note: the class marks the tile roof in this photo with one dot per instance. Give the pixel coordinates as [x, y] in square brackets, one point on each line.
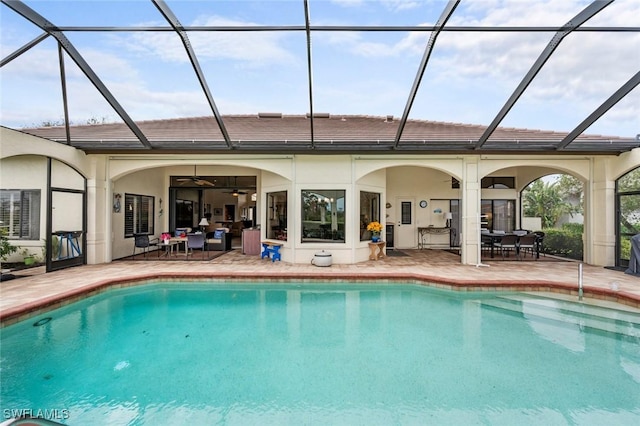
[273, 132]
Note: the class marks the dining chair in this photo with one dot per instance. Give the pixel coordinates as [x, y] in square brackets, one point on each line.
[527, 243]
[195, 241]
[540, 242]
[506, 244]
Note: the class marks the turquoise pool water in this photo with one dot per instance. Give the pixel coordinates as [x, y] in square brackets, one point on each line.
[184, 353]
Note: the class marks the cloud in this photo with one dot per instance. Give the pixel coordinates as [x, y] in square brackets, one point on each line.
[392, 5]
[256, 49]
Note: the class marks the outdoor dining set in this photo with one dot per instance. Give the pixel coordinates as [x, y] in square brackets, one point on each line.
[519, 242]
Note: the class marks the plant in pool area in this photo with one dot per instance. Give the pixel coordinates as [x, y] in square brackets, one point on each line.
[375, 228]
[28, 257]
[5, 247]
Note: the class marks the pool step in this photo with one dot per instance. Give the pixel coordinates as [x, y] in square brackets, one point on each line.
[569, 313]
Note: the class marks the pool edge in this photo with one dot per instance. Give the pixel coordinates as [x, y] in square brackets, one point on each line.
[18, 313]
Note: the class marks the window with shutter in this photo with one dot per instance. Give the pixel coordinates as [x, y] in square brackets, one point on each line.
[138, 214]
[20, 213]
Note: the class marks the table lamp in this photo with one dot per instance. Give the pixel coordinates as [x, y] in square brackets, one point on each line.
[448, 216]
[203, 224]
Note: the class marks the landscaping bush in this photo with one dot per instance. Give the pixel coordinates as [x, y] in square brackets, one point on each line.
[565, 242]
[5, 247]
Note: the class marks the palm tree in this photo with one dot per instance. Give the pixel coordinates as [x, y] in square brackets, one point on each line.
[545, 200]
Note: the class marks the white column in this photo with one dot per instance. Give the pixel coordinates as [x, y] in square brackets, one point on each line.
[471, 194]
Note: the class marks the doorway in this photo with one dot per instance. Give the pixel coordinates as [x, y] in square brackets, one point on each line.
[406, 235]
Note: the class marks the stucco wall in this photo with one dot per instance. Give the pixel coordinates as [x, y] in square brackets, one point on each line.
[419, 177]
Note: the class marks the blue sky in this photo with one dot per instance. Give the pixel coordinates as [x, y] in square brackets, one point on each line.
[469, 78]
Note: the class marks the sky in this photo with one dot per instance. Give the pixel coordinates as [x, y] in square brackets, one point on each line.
[469, 77]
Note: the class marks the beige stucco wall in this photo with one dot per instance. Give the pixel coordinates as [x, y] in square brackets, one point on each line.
[419, 177]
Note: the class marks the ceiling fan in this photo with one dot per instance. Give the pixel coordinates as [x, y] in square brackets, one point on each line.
[195, 179]
[236, 191]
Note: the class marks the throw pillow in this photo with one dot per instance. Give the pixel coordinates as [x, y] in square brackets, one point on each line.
[218, 234]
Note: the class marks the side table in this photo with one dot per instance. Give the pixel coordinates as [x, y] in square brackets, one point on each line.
[376, 250]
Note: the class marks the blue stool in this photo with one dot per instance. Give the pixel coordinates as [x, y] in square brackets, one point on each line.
[271, 250]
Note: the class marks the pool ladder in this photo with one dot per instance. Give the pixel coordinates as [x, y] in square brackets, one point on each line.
[580, 291]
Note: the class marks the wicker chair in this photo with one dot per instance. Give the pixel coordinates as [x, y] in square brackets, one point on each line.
[527, 243]
[142, 241]
[506, 244]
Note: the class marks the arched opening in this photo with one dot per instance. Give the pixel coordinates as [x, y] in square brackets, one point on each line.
[627, 215]
[553, 204]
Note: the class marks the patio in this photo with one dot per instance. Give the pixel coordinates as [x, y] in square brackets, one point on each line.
[28, 293]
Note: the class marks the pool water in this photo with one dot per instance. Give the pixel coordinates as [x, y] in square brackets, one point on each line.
[185, 353]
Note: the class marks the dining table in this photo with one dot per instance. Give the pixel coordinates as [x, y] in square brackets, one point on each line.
[491, 238]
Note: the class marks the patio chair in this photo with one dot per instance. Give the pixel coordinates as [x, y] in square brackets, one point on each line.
[506, 244]
[219, 240]
[527, 243]
[142, 241]
[540, 242]
[195, 241]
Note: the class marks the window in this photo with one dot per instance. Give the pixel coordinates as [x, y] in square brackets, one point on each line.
[499, 215]
[405, 213]
[323, 216]
[369, 212]
[498, 182]
[20, 213]
[138, 214]
[277, 215]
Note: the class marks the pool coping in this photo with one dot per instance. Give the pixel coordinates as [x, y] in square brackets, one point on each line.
[24, 311]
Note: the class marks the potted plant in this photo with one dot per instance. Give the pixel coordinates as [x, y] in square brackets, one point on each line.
[376, 229]
[28, 257]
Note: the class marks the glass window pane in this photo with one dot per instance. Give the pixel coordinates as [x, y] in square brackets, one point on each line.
[630, 181]
[630, 214]
[323, 215]
[504, 215]
[405, 209]
[369, 212]
[20, 213]
[277, 215]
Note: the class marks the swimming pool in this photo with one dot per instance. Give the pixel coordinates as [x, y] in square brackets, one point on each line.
[194, 353]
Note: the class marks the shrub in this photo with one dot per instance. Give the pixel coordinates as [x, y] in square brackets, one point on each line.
[5, 248]
[574, 228]
[565, 242]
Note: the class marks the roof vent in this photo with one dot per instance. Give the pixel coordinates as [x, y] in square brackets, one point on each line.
[389, 118]
[269, 115]
[319, 115]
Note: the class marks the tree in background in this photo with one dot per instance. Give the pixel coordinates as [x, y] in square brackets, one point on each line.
[629, 186]
[546, 200]
[572, 189]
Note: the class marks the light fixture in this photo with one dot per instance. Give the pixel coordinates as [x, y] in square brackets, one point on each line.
[203, 224]
[448, 216]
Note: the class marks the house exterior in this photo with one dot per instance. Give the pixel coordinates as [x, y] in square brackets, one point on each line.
[309, 194]
[311, 181]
